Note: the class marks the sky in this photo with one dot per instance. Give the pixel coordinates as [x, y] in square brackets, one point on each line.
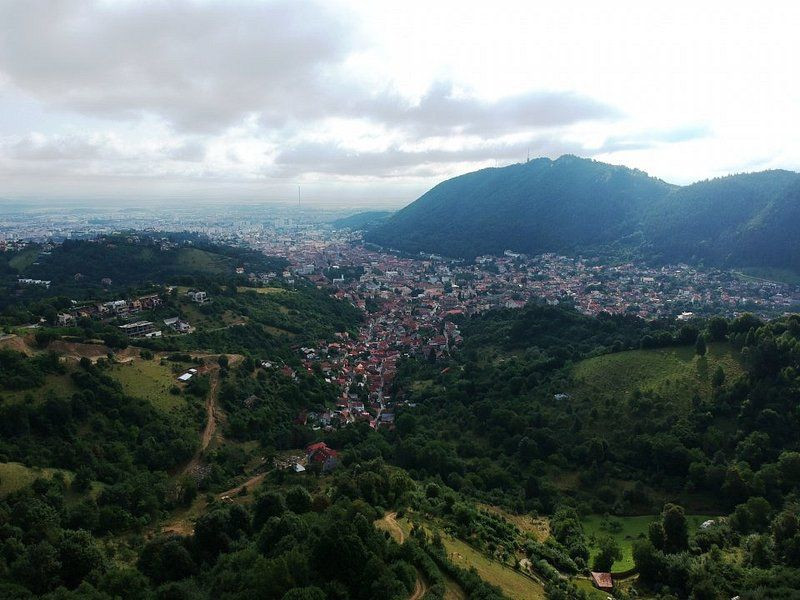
[376, 101]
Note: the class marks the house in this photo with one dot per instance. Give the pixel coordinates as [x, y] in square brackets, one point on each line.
[65, 319]
[197, 296]
[185, 377]
[178, 324]
[139, 329]
[602, 581]
[319, 453]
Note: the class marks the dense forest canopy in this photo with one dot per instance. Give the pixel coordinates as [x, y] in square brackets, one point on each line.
[578, 206]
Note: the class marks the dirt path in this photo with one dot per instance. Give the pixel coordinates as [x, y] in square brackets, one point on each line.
[420, 588]
[391, 522]
[211, 414]
[249, 484]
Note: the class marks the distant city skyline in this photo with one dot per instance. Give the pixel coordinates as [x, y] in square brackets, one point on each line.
[371, 104]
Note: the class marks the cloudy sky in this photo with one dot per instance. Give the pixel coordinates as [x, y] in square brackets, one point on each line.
[376, 101]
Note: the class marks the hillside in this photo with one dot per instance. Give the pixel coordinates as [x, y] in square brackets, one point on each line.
[362, 220]
[574, 205]
[84, 267]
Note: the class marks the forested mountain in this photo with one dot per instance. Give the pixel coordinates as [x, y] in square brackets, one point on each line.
[362, 220]
[574, 205]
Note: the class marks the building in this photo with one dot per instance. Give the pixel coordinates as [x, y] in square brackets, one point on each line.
[319, 453]
[178, 324]
[602, 581]
[197, 296]
[139, 329]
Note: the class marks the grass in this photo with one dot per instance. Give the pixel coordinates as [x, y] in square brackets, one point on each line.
[24, 259]
[678, 372]
[151, 381]
[194, 259]
[15, 476]
[538, 527]
[513, 583]
[770, 274]
[453, 591]
[591, 592]
[628, 531]
[261, 290]
[59, 385]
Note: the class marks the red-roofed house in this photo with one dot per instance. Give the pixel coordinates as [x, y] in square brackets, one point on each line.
[602, 581]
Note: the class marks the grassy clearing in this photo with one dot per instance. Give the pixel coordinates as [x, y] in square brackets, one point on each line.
[151, 381]
[58, 385]
[592, 592]
[626, 531]
[513, 583]
[678, 372]
[453, 591]
[194, 259]
[261, 290]
[538, 527]
[15, 476]
[24, 259]
[769, 274]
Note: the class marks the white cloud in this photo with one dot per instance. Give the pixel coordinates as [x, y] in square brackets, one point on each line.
[192, 91]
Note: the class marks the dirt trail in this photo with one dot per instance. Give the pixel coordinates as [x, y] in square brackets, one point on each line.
[211, 414]
[249, 484]
[420, 588]
[391, 521]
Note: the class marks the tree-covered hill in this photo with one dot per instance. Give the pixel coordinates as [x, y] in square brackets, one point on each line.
[362, 220]
[574, 205]
[79, 267]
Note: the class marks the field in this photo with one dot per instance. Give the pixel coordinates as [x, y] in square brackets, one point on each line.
[261, 290]
[193, 259]
[592, 592]
[15, 476]
[678, 372]
[769, 274]
[24, 259]
[60, 385]
[626, 530]
[149, 380]
[539, 527]
[513, 583]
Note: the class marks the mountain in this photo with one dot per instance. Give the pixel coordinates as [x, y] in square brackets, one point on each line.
[576, 205]
[362, 220]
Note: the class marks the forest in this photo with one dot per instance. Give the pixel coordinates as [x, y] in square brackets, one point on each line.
[580, 206]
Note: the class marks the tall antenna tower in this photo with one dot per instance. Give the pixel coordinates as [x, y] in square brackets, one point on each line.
[298, 196]
[529, 156]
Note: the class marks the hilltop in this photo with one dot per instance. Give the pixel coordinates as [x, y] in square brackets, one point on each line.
[573, 205]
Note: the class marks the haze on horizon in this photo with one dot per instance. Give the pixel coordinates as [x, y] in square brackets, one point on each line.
[376, 102]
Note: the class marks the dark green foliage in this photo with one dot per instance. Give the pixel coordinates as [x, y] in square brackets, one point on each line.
[574, 205]
[609, 552]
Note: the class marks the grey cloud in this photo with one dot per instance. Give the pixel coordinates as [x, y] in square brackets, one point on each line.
[58, 148]
[200, 66]
[312, 157]
[191, 151]
[442, 111]
[206, 66]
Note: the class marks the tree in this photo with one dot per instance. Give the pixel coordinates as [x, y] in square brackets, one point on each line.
[717, 329]
[676, 530]
[298, 500]
[656, 535]
[700, 345]
[609, 552]
[718, 378]
[270, 504]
